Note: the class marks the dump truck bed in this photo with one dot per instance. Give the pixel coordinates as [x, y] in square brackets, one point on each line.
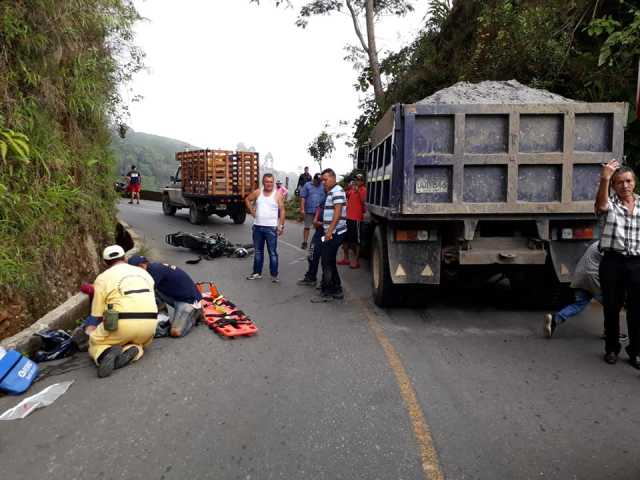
[207, 173]
[497, 159]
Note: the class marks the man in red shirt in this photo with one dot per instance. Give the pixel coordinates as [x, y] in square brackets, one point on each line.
[356, 197]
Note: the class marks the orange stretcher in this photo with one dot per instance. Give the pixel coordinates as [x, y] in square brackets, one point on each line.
[222, 316]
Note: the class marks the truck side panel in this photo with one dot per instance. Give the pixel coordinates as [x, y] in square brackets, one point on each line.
[507, 159]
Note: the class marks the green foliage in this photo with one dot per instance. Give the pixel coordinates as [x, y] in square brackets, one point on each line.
[321, 147]
[583, 49]
[61, 62]
[622, 42]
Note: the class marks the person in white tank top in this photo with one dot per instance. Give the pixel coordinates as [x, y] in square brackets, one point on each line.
[267, 207]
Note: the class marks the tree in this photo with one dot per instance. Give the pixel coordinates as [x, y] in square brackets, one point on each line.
[359, 10]
[321, 147]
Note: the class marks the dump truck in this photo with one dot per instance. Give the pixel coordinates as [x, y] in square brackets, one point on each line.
[212, 182]
[486, 180]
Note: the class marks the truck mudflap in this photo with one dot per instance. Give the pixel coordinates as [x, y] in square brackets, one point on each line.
[414, 262]
[565, 256]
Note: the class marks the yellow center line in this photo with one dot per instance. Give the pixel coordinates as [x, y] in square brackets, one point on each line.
[428, 454]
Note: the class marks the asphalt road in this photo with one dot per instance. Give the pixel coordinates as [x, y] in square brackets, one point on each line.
[338, 391]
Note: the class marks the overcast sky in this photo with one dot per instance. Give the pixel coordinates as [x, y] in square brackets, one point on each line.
[227, 71]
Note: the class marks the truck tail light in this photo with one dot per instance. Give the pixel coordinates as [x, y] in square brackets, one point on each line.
[412, 235]
[583, 233]
[576, 233]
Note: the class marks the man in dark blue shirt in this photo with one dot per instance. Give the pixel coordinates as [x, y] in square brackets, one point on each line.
[174, 287]
[312, 195]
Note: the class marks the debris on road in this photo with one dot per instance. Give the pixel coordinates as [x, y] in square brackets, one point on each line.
[211, 245]
[222, 316]
[41, 399]
[56, 344]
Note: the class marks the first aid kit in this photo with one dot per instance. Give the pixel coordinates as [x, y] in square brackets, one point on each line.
[17, 372]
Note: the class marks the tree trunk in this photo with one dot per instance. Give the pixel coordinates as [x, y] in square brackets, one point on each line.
[372, 51]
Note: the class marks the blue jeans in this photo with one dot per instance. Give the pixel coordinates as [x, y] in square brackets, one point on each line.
[314, 255]
[582, 300]
[270, 236]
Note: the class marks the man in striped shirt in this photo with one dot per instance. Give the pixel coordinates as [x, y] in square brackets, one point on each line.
[620, 266]
[335, 227]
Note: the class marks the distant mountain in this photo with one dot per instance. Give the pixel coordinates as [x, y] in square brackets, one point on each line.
[153, 155]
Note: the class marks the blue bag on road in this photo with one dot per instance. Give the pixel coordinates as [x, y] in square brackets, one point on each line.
[17, 372]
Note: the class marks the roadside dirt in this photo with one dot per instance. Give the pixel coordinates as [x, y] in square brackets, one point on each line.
[63, 273]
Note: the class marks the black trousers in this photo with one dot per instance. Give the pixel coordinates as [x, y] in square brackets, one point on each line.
[331, 284]
[620, 282]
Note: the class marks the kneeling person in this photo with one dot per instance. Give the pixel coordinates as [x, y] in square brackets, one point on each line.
[129, 292]
[175, 288]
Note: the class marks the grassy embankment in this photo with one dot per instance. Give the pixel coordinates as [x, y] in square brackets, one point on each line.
[59, 75]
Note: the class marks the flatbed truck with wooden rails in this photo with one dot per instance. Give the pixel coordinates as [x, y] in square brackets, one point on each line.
[211, 182]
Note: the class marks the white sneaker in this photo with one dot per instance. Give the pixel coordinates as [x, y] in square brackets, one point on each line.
[275, 280]
[254, 276]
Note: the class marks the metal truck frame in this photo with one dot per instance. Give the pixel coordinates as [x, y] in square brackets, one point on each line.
[505, 188]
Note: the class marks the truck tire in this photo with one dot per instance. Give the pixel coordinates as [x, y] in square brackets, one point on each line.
[383, 287]
[196, 216]
[167, 208]
[239, 216]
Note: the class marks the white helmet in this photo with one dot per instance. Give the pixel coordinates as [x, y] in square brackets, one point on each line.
[112, 252]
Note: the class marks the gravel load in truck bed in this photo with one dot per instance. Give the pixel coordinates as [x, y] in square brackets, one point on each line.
[492, 93]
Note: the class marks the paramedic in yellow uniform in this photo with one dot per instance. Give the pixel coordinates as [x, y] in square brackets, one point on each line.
[130, 290]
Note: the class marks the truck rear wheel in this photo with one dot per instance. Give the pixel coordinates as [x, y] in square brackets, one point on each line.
[239, 216]
[383, 287]
[167, 208]
[196, 216]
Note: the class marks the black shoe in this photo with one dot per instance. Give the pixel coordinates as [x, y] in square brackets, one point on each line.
[126, 357]
[306, 282]
[107, 361]
[611, 358]
[131, 202]
[634, 360]
[338, 296]
[322, 299]
[550, 325]
[304, 245]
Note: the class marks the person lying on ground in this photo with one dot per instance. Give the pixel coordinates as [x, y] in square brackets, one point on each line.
[128, 291]
[586, 285]
[174, 287]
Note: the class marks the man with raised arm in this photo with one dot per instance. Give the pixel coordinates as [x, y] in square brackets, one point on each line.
[267, 207]
[617, 205]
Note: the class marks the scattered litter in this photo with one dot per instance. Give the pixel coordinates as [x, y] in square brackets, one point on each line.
[222, 316]
[210, 245]
[41, 399]
[56, 344]
[17, 372]
[492, 92]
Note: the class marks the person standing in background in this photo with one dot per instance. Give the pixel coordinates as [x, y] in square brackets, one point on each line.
[267, 207]
[312, 196]
[302, 181]
[282, 190]
[134, 184]
[356, 198]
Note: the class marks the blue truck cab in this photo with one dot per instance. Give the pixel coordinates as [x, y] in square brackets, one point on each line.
[457, 190]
